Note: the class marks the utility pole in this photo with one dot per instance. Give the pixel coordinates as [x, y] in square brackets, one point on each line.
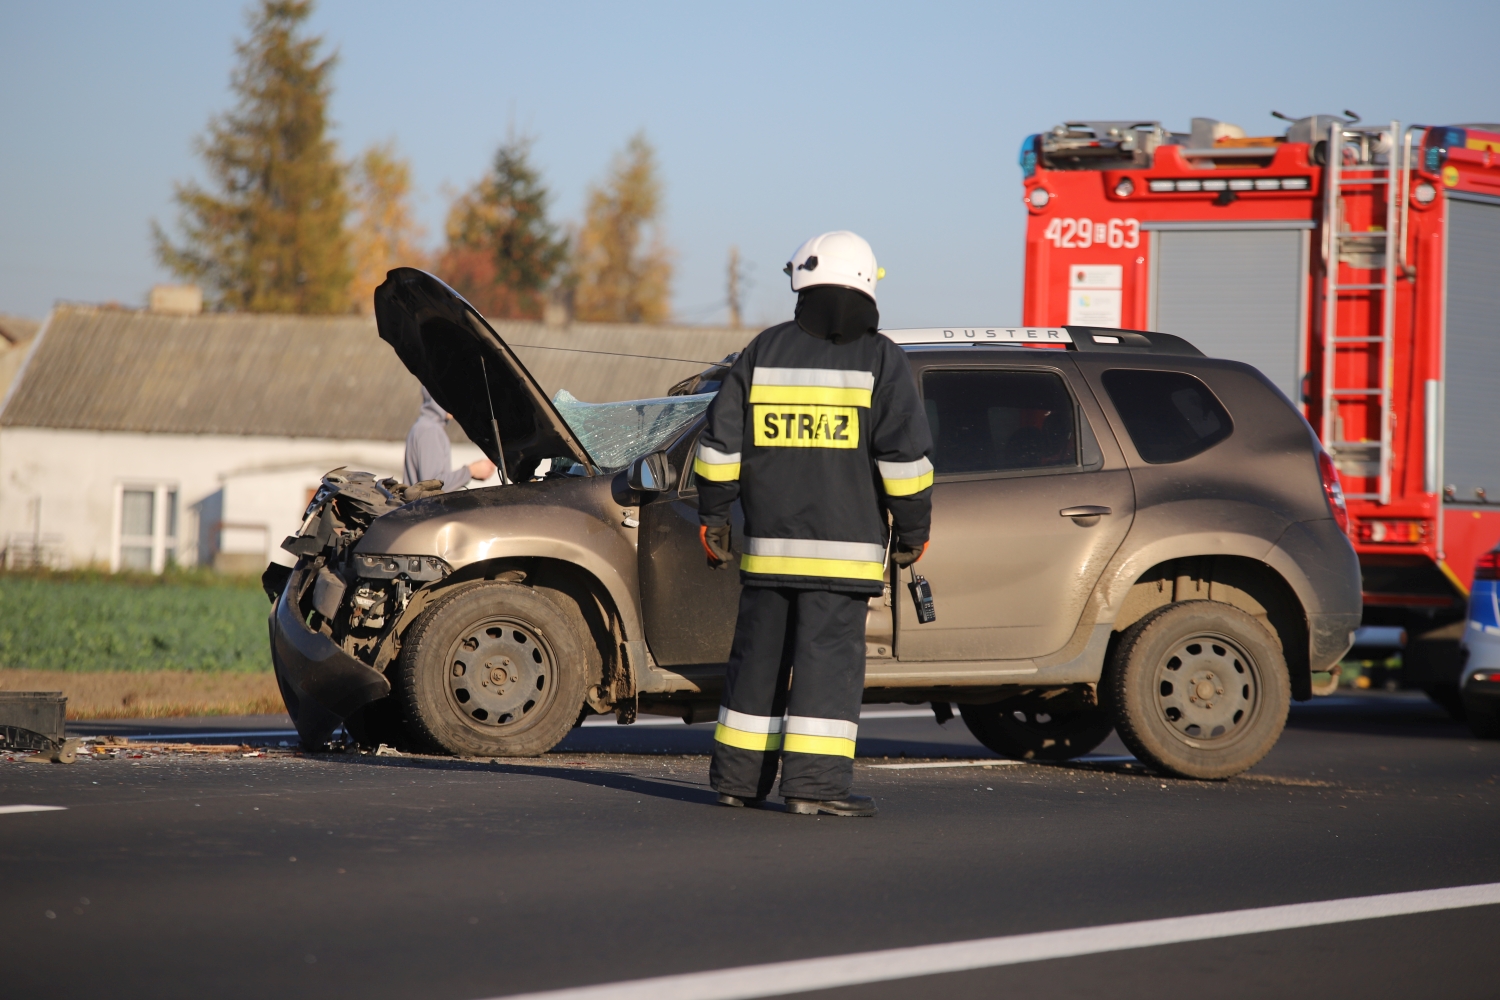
[734, 286]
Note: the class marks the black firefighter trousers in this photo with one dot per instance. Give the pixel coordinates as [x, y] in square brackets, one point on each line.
[792, 693]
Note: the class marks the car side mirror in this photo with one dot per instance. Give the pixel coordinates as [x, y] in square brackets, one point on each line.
[651, 473]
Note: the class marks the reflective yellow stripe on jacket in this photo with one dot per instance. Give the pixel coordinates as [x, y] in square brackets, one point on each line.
[813, 557]
[815, 386]
[902, 479]
[718, 466]
[748, 732]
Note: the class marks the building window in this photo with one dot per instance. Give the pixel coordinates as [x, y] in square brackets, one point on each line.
[146, 527]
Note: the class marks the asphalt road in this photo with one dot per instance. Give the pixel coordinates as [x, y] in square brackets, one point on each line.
[333, 876]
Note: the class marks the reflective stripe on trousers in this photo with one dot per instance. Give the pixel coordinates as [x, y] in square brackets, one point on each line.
[802, 735]
[828, 736]
[748, 732]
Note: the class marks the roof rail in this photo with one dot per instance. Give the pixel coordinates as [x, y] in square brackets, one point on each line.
[1072, 338]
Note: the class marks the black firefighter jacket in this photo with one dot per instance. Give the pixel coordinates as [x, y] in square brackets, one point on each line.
[817, 440]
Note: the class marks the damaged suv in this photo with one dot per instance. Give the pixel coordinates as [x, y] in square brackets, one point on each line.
[1126, 535]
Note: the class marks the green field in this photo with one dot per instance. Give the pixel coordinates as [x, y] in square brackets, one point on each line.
[93, 622]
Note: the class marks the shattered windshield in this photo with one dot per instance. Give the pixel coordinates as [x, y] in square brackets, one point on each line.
[615, 433]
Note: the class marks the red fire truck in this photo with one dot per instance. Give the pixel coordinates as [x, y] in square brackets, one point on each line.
[1357, 266]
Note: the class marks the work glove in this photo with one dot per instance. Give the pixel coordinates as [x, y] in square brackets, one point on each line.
[905, 555]
[715, 539]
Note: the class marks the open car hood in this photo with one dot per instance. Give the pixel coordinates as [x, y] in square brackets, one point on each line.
[451, 350]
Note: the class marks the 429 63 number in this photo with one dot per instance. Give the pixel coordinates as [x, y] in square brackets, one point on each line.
[1080, 234]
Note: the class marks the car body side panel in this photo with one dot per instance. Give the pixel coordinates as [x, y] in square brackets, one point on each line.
[1010, 575]
[1182, 529]
[580, 521]
[1315, 557]
[690, 609]
[1256, 494]
[1270, 460]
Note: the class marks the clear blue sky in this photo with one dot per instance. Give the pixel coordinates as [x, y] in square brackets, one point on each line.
[773, 122]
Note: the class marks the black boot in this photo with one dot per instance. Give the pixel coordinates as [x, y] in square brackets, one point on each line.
[735, 802]
[849, 805]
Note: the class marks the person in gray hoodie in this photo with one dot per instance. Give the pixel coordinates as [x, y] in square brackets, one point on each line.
[430, 456]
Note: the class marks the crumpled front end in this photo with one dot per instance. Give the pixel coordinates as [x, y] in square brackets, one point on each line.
[321, 684]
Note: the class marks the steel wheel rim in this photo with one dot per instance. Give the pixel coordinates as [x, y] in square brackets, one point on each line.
[1207, 690]
[500, 675]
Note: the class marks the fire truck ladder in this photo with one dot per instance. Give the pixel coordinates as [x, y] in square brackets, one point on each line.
[1337, 243]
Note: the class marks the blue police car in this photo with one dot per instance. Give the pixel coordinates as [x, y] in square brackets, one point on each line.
[1480, 681]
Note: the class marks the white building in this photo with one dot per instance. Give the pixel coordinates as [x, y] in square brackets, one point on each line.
[133, 439]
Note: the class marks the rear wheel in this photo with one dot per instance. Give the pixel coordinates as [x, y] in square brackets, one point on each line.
[495, 670]
[1034, 726]
[1198, 690]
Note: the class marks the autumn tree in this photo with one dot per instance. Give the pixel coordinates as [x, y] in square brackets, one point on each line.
[502, 253]
[270, 237]
[622, 267]
[383, 234]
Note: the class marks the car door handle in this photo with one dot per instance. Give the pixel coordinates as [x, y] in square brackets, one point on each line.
[1084, 510]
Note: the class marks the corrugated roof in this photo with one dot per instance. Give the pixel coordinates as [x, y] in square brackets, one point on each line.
[306, 376]
[16, 329]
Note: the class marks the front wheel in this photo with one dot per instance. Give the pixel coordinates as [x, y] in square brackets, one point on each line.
[1036, 726]
[494, 670]
[1198, 690]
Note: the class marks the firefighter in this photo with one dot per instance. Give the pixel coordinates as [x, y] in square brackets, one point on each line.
[818, 431]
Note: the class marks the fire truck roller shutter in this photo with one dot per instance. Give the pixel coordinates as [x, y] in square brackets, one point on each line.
[1471, 459]
[1234, 293]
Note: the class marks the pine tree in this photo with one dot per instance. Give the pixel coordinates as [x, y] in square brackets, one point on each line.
[384, 234]
[502, 254]
[271, 238]
[622, 267]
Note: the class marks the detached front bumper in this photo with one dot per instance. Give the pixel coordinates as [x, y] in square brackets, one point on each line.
[321, 684]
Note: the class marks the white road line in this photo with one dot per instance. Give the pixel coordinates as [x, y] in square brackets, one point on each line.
[593, 720]
[782, 978]
[949, 763]
[668, 720]
[140, 737]
[640, 720]
[30, 809]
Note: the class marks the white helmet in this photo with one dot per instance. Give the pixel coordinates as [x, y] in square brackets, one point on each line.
[840, 258]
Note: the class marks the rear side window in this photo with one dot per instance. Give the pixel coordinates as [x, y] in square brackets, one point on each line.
[999, 421]
[1171, 416]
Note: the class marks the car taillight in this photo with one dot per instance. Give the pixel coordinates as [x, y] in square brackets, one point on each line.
[1488, 566]
[1333, 490]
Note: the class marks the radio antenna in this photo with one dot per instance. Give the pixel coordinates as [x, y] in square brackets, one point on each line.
[494, 424]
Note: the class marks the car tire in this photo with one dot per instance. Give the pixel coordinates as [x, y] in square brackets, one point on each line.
[1033, 727]
[495, 670]
[1198, 690]
[1483, 717]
